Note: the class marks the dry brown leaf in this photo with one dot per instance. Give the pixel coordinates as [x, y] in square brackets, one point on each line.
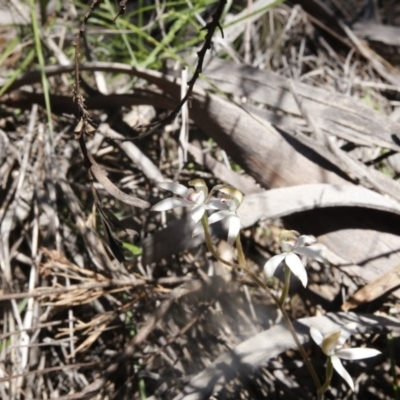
[337, 114]
[375, 289]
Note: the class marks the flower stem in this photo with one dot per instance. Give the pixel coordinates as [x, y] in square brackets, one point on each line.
[207, 236]
[329, 373]
[260, 283]
[303, 353]
[240, 253]
[286, 286]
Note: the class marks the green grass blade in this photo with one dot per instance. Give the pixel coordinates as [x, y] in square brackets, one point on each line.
[39, 53]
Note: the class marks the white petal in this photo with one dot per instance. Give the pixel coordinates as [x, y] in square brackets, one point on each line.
[316, 335]
[170, 203]
[197, 212]
[174, 187]
[272, 264]
[297, 267]
[199, 197]
[234, 229]
[337, 364]
[304, 240]
[287, 245]
[216, 204]
[218, 216]
[357, 354]
[231, 204]
[314, 252]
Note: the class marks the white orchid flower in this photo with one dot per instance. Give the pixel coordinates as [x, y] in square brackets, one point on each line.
[292, 244]
[331, 344]
[228, 205]
[196, 198]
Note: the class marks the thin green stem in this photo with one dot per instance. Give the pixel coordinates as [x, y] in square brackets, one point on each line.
[39, 53]
[286, 286]
[328, 377]
[260, 283]
[240, 253]
[207, 236]
[303, 353]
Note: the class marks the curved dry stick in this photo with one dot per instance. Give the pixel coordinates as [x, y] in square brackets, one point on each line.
[99, 174]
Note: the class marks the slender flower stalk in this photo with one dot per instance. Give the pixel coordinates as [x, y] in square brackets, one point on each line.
[328, 377]
[286, 285]
[207, 236]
